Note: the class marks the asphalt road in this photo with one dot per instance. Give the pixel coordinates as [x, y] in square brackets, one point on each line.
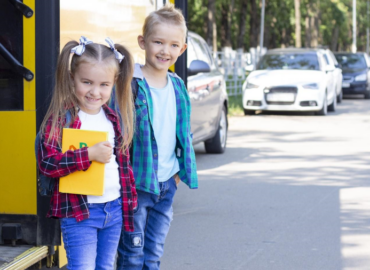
[291, 192]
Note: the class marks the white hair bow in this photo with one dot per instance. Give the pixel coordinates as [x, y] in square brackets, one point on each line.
[79, 49]
[118, 55]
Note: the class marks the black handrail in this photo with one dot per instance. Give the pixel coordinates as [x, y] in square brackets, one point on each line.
[26, 10]
[18, 67]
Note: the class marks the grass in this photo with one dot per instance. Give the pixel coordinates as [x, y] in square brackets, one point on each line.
[235, 101]
[235, 106]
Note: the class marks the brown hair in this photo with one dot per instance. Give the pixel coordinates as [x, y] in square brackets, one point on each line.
[167, 14]
[64, 98]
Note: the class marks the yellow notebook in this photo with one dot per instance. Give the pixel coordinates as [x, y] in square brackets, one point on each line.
[91, 181]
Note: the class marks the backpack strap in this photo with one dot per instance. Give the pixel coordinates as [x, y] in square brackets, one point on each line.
[134, 88]
[112, 102]
[45, 183]
[38, 135]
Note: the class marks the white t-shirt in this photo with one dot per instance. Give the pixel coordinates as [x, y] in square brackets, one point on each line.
[99, 122]
[164, 126]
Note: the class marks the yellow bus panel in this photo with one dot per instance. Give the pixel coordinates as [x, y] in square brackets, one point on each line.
[29, 58]
[18, 163]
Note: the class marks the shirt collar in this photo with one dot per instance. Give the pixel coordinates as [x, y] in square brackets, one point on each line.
[109, 111]
[139, 74]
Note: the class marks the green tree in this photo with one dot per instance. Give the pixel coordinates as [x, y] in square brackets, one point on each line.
[322, 23]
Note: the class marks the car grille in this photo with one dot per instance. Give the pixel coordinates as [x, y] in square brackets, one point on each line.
[348, 79]
[287, 92]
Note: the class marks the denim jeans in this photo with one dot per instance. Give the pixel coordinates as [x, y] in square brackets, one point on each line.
[92, 243]
[143, 248]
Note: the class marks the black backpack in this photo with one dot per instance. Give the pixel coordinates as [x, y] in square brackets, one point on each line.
[46, 183]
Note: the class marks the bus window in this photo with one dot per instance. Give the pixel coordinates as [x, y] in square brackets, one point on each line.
[11, 37]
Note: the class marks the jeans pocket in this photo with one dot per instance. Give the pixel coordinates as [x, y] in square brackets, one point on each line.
[175, 182]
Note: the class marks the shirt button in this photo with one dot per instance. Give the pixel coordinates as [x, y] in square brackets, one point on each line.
[155, 155]
[144, 101]
[153, 138]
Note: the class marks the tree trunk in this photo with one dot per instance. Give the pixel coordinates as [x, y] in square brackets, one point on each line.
[214, 29]
[211, 25]
[334, 42]
[314, 33]
[297, 7]
[253, 33]
[314, 23]
[226, 23]
[283, 38]
[229, 15]
[308, 32]
[318, 23]
[243, 17]
[224, 27]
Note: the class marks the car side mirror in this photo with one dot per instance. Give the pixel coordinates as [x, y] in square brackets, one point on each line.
[198, 66]
[329, 68]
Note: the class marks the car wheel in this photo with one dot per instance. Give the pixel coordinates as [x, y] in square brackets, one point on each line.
[249, 112]
[333, 105]
[367, 96]
[217, 144]
[324, 109]
[340, 96]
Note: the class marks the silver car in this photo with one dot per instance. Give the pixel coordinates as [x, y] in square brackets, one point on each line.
[207, 91]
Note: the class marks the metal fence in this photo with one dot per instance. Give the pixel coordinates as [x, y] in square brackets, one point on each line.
[232, 65]
[235, 65]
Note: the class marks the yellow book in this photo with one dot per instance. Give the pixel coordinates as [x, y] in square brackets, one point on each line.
[91, 181]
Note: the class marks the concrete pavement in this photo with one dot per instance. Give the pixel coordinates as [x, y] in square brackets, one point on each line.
[291, 192]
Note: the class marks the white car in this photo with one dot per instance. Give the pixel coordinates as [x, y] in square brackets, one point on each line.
[291, 80]
[337, 73]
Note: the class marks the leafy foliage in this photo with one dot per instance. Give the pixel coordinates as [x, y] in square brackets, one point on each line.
[323, 22]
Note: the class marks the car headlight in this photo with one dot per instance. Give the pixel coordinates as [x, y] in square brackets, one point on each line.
[361, 77]
[251, 86]
[311, 86]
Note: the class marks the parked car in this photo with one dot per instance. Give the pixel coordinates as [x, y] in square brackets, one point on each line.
[291, 80]
[209, 100]
[337, 73]
[356, 74]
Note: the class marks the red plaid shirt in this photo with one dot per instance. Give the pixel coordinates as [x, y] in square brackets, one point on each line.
[53, 163]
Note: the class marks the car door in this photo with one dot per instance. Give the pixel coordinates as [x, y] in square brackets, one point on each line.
[214, 104]
[367, 59]
[209, 88]
[338, 77]
[329, 69]
[197, 93]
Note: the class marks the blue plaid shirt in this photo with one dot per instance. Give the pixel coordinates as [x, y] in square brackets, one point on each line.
[145, 150]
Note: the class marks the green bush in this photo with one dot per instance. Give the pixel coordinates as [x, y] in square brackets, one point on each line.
[235, 105]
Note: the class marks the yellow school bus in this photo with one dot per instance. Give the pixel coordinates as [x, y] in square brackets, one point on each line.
[32, 34]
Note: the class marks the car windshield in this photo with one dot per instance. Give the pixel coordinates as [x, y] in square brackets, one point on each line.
[351, 61]
[290, 61]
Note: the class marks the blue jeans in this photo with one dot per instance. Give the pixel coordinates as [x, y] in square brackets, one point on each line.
[92, 243]
[143, 248]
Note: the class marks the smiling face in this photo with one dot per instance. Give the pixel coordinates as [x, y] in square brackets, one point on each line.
[163, 46]
[93, 83]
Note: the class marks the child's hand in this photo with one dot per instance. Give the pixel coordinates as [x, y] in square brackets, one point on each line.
[100, 152]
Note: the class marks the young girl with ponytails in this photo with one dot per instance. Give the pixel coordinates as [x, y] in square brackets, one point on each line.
[91, 225]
